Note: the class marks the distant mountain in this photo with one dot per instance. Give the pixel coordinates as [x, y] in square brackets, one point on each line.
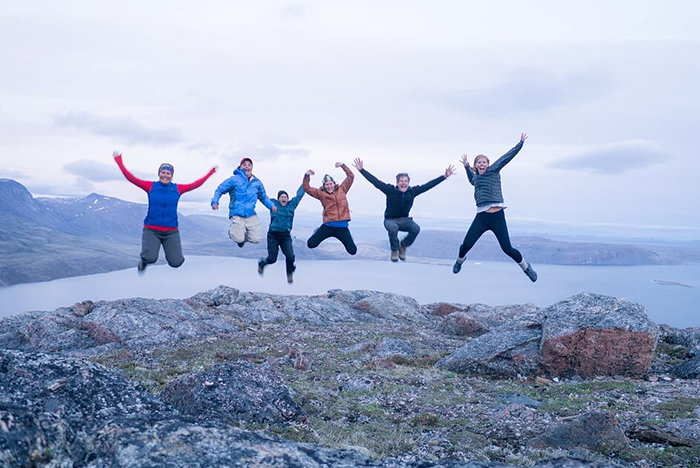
[47, 238]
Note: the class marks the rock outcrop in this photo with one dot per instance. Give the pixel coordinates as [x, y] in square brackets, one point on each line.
[588, 431]
[590, 334]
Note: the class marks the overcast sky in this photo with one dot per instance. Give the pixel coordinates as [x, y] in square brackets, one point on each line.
[606, 90]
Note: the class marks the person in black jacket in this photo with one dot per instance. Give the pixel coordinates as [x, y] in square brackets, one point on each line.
[399, 200]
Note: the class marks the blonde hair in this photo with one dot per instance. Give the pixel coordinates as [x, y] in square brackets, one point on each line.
[481, 156]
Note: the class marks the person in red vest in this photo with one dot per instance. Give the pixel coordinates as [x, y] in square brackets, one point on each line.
[160, 225]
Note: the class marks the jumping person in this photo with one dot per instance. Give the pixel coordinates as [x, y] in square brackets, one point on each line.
[486, 180]
[399, 200]
[160, 225]
[245, 190]
[336, 212]
[279, 234]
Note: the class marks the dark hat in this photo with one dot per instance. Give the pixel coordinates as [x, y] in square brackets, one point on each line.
[244, 160]
[280, 193]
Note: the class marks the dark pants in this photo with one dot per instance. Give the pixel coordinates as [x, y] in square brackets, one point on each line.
[341, 233]
[151, 240]
[496, 223]
[280, 240]
[393, 226]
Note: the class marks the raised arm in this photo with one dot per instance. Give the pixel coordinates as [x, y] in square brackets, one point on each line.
[506, 158]
[300, 194]
[143, 184]
[468, 168]
[312, 191]
[184, 188]
[382, 186]
[350, 177]
[417, 190]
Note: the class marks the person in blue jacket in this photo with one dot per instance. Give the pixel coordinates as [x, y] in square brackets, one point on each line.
[245, 190]
[486, 179]
[279, 234]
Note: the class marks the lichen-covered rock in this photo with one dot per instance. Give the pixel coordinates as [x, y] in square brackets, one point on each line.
[591, 335]
[382, 305]
[394, 347]
[686, 337]
[587, 431]
[501, 353]
[689, 369]
[461, 324]
[234, 392]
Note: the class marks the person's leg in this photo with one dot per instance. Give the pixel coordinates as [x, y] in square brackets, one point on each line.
[288, 250]
[343, 235]
[272, 251]
[150, 246]
[321, 233]
[410, 226]
[172, 246]
[392, 228]
[500, 229]
[237, 230]
[253, 230]
[476, 230]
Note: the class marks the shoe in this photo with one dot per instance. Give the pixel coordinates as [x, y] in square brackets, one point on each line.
[532, 274]
[261, 266]
[394, 255]
[290, 277]
[241, 244]
[141, 267]
[457, 266]
[402, 252]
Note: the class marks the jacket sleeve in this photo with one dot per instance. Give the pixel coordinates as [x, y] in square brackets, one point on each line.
[184, 188]
[470, 174]
[382, 186]
[224, 187]
[417, 190]
[347, 183]
[312, 191]
[506, 158]
[143, 184]
[262, 196]
[300, 194]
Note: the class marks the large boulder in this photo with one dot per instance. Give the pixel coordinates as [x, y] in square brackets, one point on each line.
[234, 392]
[590, 335]
[588, 431]
[689, 369]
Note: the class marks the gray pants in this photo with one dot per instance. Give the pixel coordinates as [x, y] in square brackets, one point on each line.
[151, 240]
[394, 225]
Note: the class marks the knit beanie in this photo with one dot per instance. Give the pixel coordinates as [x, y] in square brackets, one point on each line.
[326, 178]
[280, 193]
[166, 167]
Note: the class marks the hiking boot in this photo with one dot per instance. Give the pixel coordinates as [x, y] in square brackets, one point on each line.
[290, 277]
[394, 255]
[402, 252]
[532, 274]
[141, 267]
[457, 266]
[261, 266]
[241, 244]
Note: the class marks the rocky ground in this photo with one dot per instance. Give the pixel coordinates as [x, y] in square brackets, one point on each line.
[358, 378]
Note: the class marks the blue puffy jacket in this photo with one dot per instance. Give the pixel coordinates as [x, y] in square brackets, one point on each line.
[244, 194]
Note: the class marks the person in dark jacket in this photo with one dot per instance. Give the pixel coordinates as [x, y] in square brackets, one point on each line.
[279, 234]
[399, 200]
[160, 225]
[486, 180]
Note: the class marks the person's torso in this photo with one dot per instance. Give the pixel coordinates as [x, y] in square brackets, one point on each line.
[162, 205]
[399, 204]
[335, 205]
[283, 219]
[244, 196]
[487, 188]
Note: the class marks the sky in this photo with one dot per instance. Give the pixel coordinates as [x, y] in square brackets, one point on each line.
[607, 92]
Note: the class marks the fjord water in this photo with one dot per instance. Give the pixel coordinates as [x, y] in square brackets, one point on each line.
[671, 294]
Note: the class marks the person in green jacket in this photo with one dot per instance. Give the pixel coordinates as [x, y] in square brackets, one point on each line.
[279, 234]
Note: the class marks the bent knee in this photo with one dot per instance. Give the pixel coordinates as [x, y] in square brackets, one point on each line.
[176, 263]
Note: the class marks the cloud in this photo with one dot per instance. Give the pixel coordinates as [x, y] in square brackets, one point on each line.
[123, 129]
[13, 174]
[265, 151]
[293, 10]
[615, 158]
[527, 92]
[94, 171]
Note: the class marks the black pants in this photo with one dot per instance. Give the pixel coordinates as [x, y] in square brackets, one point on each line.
[496, 223]
[341, 233]
[151, 240]
[280, 240]
[396, 225]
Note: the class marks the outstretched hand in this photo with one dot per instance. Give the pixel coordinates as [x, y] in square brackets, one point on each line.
[215, 206]
[274, 208]
[465, 160]
[310, 172]
[338, 164]
[449, 171]
[358, 164]
[116, 154]
[523, 137]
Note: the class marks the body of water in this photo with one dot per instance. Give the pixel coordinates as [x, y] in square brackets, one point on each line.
[671, 294]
